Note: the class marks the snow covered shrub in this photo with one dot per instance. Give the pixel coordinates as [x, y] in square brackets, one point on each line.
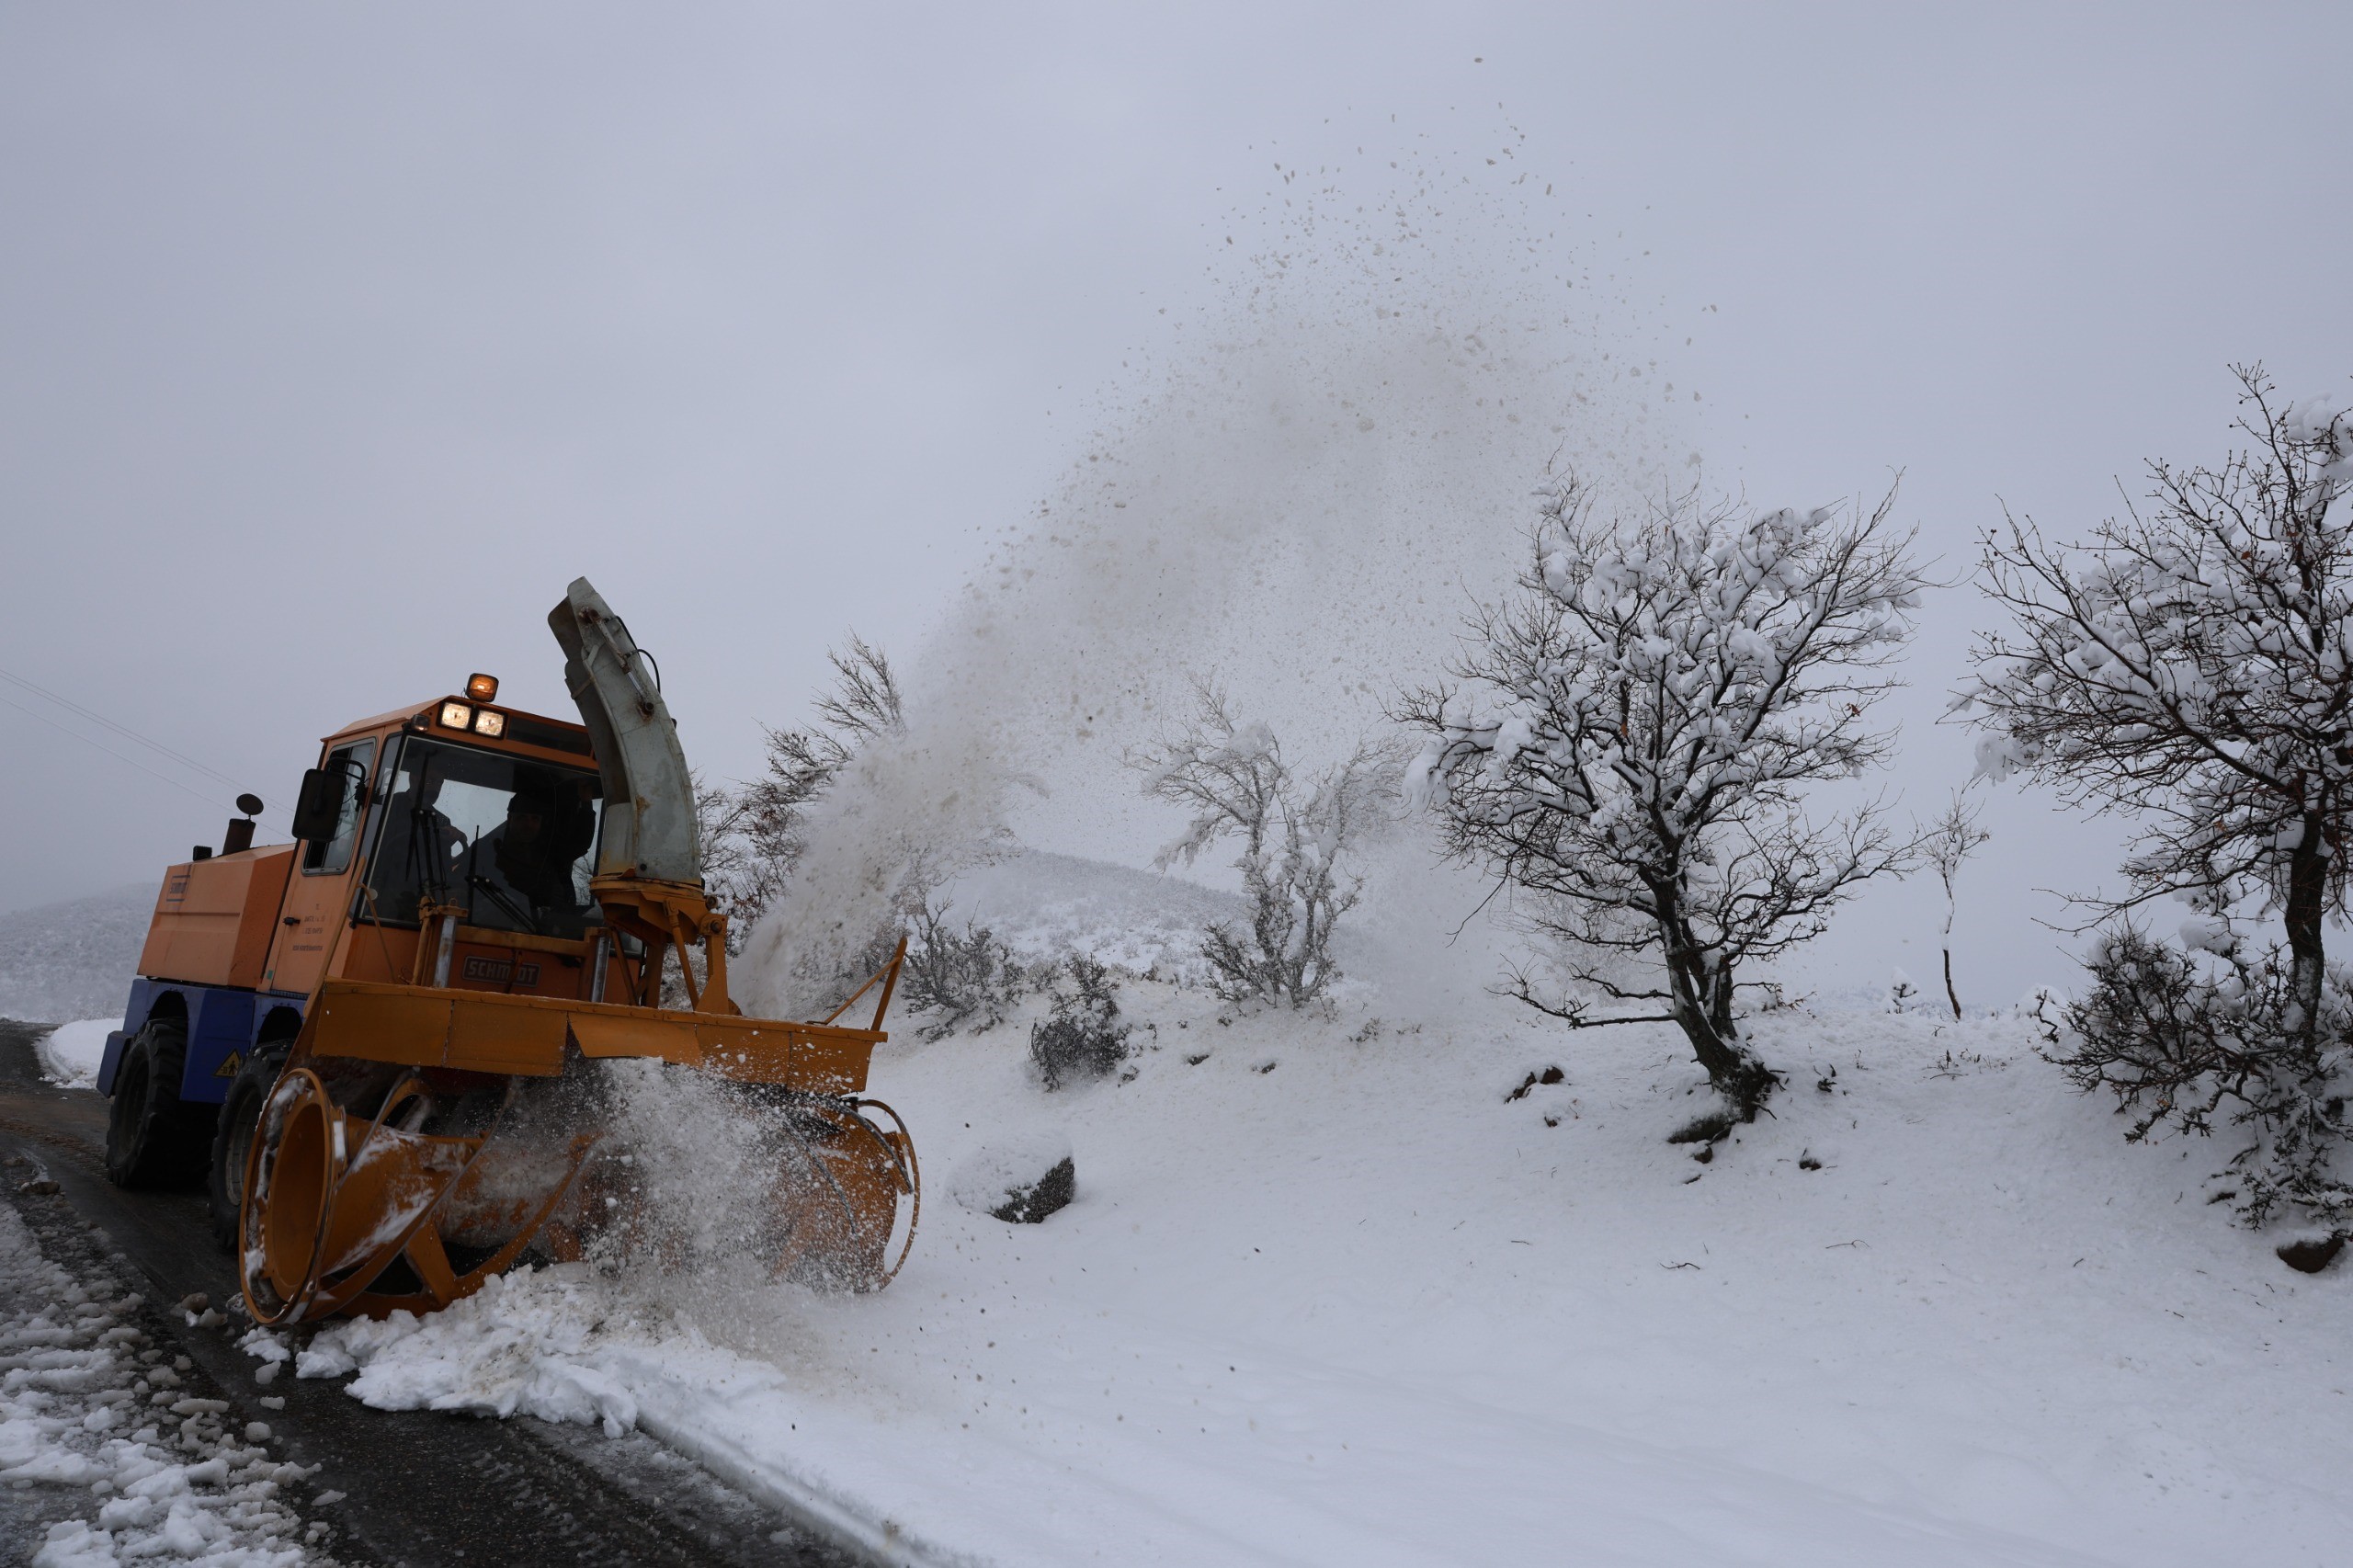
[2044, 1011]
[1626, 741]
[957, 976]
[1297, 838]
[1902, 996]
[2191, 665]
[2179, 1036]
[1082, 1036]
[1948, 843]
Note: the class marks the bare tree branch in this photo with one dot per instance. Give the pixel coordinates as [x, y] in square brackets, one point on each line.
[1296, 838]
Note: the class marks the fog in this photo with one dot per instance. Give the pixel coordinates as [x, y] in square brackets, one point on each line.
[334, 344]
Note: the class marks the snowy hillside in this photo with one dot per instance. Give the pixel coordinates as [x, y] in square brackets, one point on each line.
[73, 959]
[1044, 905]
[1332, 1293]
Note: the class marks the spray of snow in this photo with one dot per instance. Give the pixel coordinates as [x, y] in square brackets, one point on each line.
[1333, 462]
[690, 1158]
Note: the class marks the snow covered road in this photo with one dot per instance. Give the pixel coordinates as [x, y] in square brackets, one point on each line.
[115, 1449]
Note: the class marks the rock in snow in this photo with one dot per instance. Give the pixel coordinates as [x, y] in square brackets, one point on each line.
[1020, 1181]
[2312, 1254]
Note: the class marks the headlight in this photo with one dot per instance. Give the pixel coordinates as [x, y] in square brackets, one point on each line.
[491, 724]
[456, 716]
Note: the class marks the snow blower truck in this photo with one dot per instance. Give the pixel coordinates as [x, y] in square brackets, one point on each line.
[379, 1046]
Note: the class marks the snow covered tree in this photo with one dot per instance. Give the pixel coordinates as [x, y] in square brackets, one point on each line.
[2191, 665]
[1297, 836]
[1626, 741]
[753, 837]
[1946, 845]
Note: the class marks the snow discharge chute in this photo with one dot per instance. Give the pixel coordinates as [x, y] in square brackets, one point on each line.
[649, 795]
[649, 868]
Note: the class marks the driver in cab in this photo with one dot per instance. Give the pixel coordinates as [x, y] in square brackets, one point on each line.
[525, 863]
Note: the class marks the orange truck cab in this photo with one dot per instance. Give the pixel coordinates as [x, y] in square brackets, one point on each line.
[457, 843]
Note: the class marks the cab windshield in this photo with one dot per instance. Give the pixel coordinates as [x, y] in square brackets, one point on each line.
[509, 842]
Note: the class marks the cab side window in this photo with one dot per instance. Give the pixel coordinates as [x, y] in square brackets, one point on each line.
[350, 764]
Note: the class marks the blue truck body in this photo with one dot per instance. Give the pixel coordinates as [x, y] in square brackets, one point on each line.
[222, 1024]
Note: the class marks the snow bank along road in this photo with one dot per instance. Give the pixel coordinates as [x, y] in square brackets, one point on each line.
[350, 1484]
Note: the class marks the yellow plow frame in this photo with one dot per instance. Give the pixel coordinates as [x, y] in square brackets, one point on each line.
[365, 1212]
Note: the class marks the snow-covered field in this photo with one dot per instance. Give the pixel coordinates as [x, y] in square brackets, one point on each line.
[1042, 905]
[1330, 1295]
[75, 959]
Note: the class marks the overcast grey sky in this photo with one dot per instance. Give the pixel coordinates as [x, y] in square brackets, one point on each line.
[334, 341]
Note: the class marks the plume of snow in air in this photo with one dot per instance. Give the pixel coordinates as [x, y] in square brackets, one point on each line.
[1331, 463]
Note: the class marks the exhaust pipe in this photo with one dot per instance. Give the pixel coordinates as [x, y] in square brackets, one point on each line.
[240, 833]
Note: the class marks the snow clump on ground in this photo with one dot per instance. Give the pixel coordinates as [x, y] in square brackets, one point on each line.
[69, 1056]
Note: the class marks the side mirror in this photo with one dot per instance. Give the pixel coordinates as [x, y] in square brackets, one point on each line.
[318, 810]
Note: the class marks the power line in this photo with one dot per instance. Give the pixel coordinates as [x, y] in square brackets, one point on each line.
[123, 730]
[108, 750]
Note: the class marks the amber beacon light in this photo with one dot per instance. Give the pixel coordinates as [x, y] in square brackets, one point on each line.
[481, 687]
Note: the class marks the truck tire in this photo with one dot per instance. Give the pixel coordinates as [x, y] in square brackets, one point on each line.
[232, 1137]
[154, 1139]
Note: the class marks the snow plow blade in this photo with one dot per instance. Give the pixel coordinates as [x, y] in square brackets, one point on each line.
[384, 1175]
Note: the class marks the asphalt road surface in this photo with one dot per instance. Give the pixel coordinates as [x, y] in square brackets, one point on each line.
[420, 1489]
